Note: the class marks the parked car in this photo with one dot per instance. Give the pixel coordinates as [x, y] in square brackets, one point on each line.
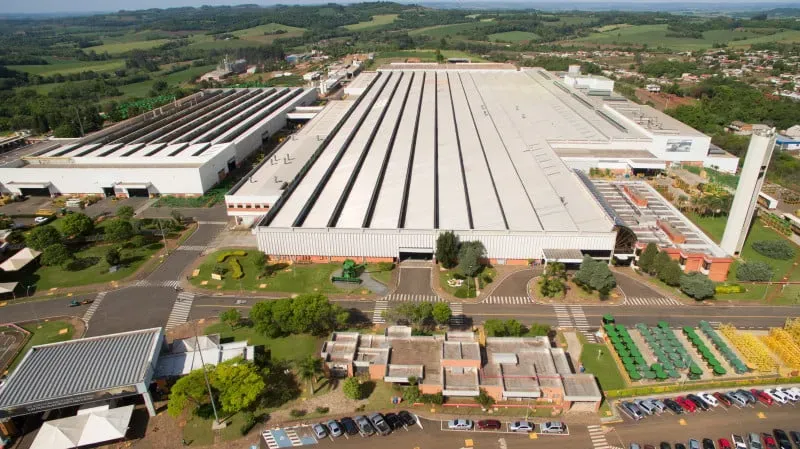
[762, 397]
[394, 421]
[738, 442]
[407, 418]
[659, 405]
[350, 426]
[723, 399]
[41, 220]
[489, 424]
[364, 426]
[649, 446]
[646, 406]
[380, 424]
[748, 396]
[699, 402]
[674, 406]
[459, 424]
[334, 428]
[687, 405]
[319, 431]
[708, 399]
[724, 443]
[795, 437]
[634, 446]
[632, 410]
[680, 446]
[520, 426]
[782, 438]
[737, 399]
[694, 444]
[708, 443]
[754, 441]
[777, 396]
[553, 427]
[769, 441]
[790, 393]
[664, 445]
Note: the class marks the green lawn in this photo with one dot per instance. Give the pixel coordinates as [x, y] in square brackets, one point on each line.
[70, 66]
[294, 347]
[377, 21]
[714, 227]
[43, 333]
[298, 278]
[423, 55]
[656, 36]
[384, 277]
[257, 33]
[122, 47]
[142, 89]
[453, 31]
[467, 289]
[94, 269]
[603, 367]
[786, 37]
[514, 36]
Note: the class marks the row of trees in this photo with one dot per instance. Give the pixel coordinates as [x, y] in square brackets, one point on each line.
[305, 314]
[420, 314]
[658, 263]
[513, 328]
[451, 252]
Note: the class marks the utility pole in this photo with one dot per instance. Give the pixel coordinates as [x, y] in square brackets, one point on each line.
[163, 236]
[205, 375]
[78, 114]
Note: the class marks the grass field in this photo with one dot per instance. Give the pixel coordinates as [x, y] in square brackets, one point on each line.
[123, 47]
[294, 347]
[788, 36]
[379, 20]
[453, 31]
[602, 366]
[44, 333]
[655, 36]
[514, 36]
[423, 55]
[70, 66]
[569, 20]
[143, 89]
[310, 278]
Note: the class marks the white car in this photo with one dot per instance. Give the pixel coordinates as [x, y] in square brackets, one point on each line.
[40, 220]
[708, 399]
[459, 424]
[520, 426]
[738, 442]
[777, 396]
[792, 394]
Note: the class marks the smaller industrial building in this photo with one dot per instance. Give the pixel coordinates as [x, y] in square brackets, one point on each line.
[457, 365]
[183, 148]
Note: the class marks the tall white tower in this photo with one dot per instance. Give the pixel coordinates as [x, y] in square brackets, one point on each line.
[751, 178]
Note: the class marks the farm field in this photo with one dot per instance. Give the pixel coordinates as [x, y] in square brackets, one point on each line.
[142, 89]
[788, 36]
[122, 47]
[454, 31]
[66, 67]
[423, 55]
[513, 36]
[381, 19]
[655, 36]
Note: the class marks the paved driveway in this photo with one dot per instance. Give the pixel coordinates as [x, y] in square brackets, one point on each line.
[516, 284]
[414, 281]
[131, 309]
[108, 206]
[27, 207]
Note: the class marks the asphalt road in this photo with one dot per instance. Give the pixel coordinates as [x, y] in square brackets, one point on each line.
[669, 428]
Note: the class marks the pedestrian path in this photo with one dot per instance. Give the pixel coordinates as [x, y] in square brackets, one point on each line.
[409, 297]
[581, 324]
[562, 315]
[507, 300]
[377, 312]
[93, 308]
[457, 318]
[180, 310]
[659, 301]
[191, 248]
[598, 437]
[148, 283]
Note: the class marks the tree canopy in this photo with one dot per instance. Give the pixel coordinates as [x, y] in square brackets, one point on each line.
[42, 236]
[77, 225]
[309, 313]
[447, 249]
[470, 255]
[697, 286]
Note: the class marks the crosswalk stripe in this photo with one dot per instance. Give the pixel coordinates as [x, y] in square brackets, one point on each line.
[408, 297]
[180, 309]
[377, 313]
[457, 317]
[93, 308]
[148, 283]
[651, 301]
[507, 300]
[191, 248]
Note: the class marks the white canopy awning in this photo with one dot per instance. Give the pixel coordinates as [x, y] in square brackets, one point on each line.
[19, 260]
[81, 430]
[8, 287]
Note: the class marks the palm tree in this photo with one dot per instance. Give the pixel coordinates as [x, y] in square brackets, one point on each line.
[308, 369]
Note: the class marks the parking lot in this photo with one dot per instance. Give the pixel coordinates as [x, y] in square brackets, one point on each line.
[505, 427]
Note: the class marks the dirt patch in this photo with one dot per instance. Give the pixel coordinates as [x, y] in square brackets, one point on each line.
[662, 101]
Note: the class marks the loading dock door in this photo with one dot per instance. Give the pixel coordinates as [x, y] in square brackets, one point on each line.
[138, 193]
[37, 191]
[416, 254]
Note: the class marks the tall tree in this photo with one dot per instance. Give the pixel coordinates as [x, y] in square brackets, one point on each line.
[447, 249]
[189, 389]
[470, 256]
[125, 213]
[697, 286]
[308, 369]
[239, 384]
[55, 254]
[43, 236]
[647, 257]
[118, 230]
[231, 317]
[77, 225]
[442, 313]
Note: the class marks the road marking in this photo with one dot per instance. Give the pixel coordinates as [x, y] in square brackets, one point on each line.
[651, 301]
[507, 300]
[180, 309]
[468, 443]
[682, 422]
[562, 315]
[598, 437]
[581, 323]
[761, 415]
[93, 308]
[377, 313]
[191, 248]
[409, 297]
[533, 436]
[457, 318]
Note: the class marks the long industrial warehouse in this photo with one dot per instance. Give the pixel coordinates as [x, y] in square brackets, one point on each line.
[424, 151]
[182, 148]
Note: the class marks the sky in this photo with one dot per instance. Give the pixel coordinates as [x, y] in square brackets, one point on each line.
[83, 6]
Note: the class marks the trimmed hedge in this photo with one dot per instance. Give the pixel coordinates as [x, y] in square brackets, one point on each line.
[729, 288]
[236, 268]
[693, 386]
[774, 249]
[238, 253]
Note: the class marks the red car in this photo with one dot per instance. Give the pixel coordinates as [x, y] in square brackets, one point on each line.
[724, 443]
[688, 405]
[723, 399]
[489, 424]
[764, 398]
[769, 441]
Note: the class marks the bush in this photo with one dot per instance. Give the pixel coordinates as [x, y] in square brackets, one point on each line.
[774, 249]
[219, 269]
[222, 256]
[754, 271]
[55, 254]
[487, 279]
[138, 241]
[322, 410]
[435, 399]
[42, 237]
[353, 389]
[295, 413]
[697, 286]
[411, 394]
[249, 423]
[236, 268]
[729, 288]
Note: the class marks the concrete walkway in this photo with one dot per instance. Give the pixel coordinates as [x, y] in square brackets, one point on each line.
[574, 348]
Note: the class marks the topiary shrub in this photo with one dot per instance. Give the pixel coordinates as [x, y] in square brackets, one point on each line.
[236, 268]
[729, 288]
[322, 410]
[774, 249]
[222, 256]
[754, 271]
[295, 413]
